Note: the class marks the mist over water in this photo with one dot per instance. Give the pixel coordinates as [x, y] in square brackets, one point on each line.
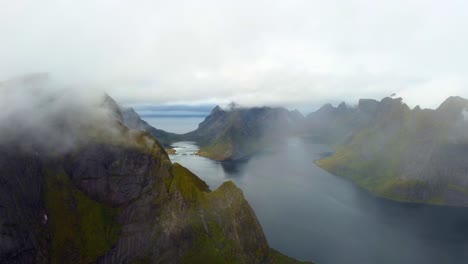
[310, 214]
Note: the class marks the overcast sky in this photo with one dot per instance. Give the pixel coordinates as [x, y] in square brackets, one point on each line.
[290, 53]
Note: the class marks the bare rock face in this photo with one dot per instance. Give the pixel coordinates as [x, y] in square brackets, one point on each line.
[22, 214]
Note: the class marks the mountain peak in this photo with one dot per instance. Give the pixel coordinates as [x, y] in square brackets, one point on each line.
[296, 114]
[326, 109]
[109, 103]
[368, 105]
[342, 107]
[390, 100]
[453, 104]
[216, 109]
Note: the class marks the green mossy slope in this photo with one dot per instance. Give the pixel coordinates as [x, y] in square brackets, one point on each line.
[81, 229]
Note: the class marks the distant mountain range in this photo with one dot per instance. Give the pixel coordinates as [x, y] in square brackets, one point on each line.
[415, 155]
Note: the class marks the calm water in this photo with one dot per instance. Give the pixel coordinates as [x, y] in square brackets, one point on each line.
[310, 214]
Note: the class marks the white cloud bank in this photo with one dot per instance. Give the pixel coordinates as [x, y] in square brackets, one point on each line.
[40, 115]
[292, 53]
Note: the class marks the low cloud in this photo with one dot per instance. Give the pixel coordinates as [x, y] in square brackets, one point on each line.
[38, 114]
[290, 53]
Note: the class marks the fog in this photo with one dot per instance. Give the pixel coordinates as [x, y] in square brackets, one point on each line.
[39, 114]
[290, 53]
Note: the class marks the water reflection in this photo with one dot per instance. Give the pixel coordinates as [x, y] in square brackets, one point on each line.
[233, 169]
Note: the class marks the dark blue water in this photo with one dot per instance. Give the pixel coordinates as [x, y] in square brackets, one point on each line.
[310, 214]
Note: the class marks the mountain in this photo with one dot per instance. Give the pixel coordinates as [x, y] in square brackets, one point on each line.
[132, 120]
[330, 124]
[228, 134]
[237, 133]
[337, 125]
[78, 186]
[414, 155]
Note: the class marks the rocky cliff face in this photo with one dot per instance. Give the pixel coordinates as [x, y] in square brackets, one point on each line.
[238, 133]
[109, 203]
[408, 155]
[113, 196]
[23, 230]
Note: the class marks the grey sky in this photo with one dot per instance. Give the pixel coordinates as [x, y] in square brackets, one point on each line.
[291, 53]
